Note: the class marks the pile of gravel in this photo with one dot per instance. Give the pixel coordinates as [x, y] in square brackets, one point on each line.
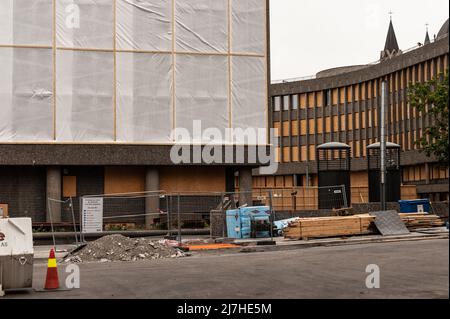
[121, 248]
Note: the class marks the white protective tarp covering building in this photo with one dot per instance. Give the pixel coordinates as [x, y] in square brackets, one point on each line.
[130, 71]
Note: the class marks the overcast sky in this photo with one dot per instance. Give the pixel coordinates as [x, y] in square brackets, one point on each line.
[308, 36]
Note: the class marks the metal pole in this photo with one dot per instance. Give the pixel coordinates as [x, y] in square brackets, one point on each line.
[271, 215]
[73, 219]
[179, 220]
[169, 226]
[383, 148]
[51, 222]
[223, 218]
[80, 209]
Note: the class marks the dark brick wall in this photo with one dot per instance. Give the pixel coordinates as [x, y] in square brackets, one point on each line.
[24, 190]
[90, 181]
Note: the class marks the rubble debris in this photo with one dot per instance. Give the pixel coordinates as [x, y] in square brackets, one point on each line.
[120, 248]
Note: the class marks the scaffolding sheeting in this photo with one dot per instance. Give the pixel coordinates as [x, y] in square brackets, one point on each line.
[130, 70]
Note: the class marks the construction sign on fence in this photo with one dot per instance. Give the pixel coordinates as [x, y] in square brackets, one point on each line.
[92, 210]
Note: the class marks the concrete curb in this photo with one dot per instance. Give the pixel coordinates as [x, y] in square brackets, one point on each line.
[343, 242]
[252, 247]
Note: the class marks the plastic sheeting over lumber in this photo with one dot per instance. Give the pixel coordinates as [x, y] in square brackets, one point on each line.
[131, 72]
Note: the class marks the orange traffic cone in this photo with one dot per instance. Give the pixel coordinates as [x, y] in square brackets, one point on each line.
[52, 280]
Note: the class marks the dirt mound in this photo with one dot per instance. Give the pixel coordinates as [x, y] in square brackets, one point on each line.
[121, 248]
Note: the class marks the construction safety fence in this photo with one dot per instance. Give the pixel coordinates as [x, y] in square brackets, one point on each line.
[175, 215]
[307, 198]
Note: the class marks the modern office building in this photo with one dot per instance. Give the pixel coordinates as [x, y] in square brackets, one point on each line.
[343, 105]
[91, 91]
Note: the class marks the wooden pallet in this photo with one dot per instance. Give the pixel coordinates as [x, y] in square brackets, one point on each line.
[420, 220]
[323, 227]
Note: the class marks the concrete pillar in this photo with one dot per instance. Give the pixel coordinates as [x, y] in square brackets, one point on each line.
[53, 192]
[151, 201]
[245, 186]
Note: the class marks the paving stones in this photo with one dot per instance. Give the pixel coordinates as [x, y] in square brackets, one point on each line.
[121, 248]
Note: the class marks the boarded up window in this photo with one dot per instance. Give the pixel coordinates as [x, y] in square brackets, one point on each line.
[335, 96]
[342, 95]
[320, 99]
[69, 186]
[303, 101]
[303, 154]
[295, 155]
[286, 154]
[286, 128]
[294, 128]
[320, 125]
[312, 152]
[120, 180]
[343, 123]
[312, 127]
[302, 127]
[335, 123]
[277, 126]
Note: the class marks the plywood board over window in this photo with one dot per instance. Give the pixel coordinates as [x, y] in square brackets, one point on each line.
[312, 152]
[69, 186]
[303, 154]
[369, 90]
[277, 127]
[286, 154]
[342, 95]
[319, 125]
[192, 179]
[312, 126]
[319, 99]
[295, 154]
[335, 123]
[303, 101]
[349, 94]
[357, 149]
[343, 123]
[294, 128]
[286, 128]
[356, 120]
[277, 155]
[356, 90]
[302, 127]
[335, 96]
[363, 119]
[328, 124]
[119, 180]
[311, 102]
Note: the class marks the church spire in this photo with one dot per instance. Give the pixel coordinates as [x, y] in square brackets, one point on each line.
[391, 47]
[427, 37]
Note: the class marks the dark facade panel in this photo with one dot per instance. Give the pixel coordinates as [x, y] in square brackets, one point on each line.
[24, 190]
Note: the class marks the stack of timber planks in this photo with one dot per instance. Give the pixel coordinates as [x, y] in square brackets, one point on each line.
[421, 220]
[323, 227]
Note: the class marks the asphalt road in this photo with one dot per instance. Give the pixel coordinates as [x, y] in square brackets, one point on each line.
[418, 269]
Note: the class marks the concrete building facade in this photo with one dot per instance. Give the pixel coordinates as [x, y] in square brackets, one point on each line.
[343, 105]
[90, 110]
